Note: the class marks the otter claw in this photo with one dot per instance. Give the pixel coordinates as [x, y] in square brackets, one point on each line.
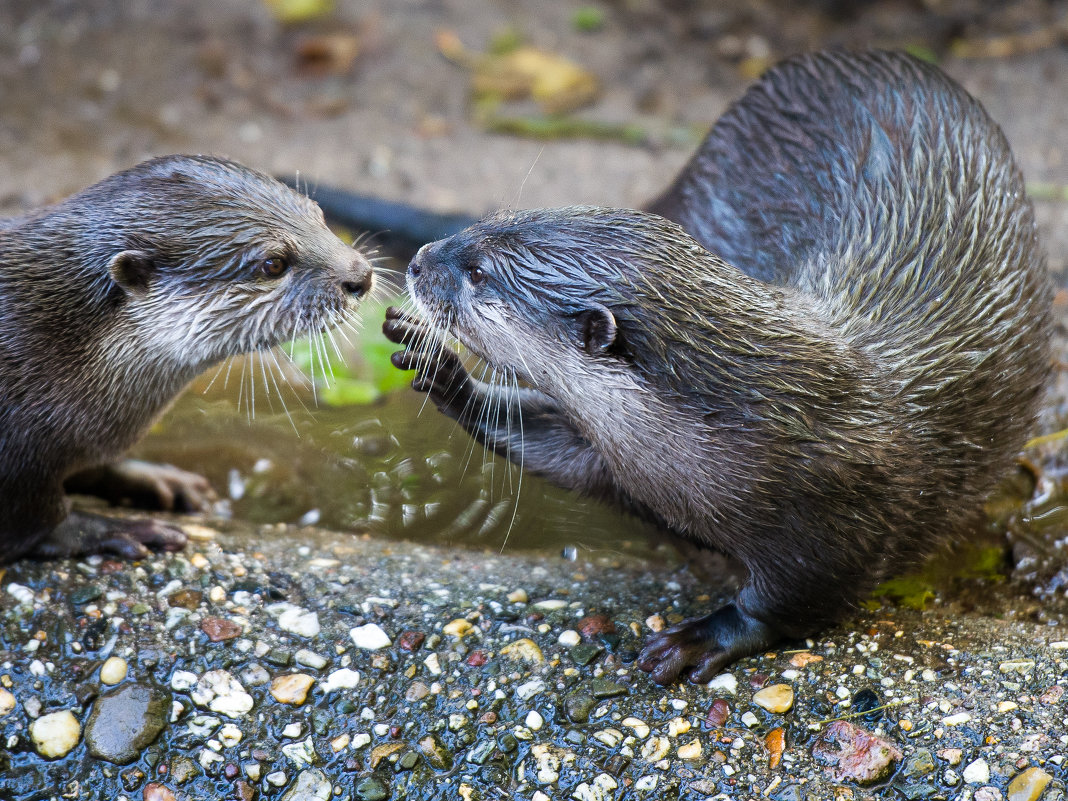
[83, 533]
[704, 646]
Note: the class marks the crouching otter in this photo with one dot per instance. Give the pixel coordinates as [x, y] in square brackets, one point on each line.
[816, 352]
[112, 301]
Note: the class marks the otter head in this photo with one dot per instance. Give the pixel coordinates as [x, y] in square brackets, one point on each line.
[570, 283]
[209, 259]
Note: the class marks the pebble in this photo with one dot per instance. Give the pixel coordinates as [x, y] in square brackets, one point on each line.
[600, 789]
[310, 785]
[585, 653]
[1017, 666]
[370, 637]
[546, 763]
[302, 753]
[690, 751]
[550, 604]
[725, 682]
[919, 764]
[342, 679]
[529, 689]
[219, 629]
[7, 702]
[639, 727]
[853, 753]
[310, 659]
[113, 670]
[371, 789]
[977, 772]
[610, 737]
[534, 720]
[603, 688]
[569, 638]
[457, 628]
[220, 692]
[518, 597]
[300, 622]
[655, 623]
[750, 720]
[656, 748]
[157, 792]
[524, 650]
[54, 735]
[1028, 785]
[578, 706]
[956, 720]
[677, 726]
[292, 688]
[777, 698]
[124, 721]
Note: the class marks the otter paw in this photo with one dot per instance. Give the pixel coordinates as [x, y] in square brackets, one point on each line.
[145, 485]
[439, 370]
[83, 533]
[702, 647]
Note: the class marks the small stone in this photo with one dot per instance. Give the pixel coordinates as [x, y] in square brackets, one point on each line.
[920, 764]
[534, 720]
[7, 702]
[310, 659]
[655, 623]
[638, 726]
[54, 735]
[300, 622]
[157, 792]
[220, 692]
[593, 626]
[437, 755]
[301, 753]
[775, 744]
[655, 749]
[219, 629]
[1028, 785]
[677, 726]
[952, 755]
[529, 689]
[546, 763]
[199, 561]
[292, 688]
[724, 682]
[433, 664]
[410, 640]
[230, 735]
[777, 698]
[550, 604]
[85, 594]
[457, 628]
[988, 794]
[371, 789]
[124, 721]
[578, 707]
[217, 594]
[518, 597]
[370, 637]
[603, 688]
[310, 785]
[690, 751]
[585, 653]
[718, 713]
[1017, 666]
[855, 754]
[113, 670]
[524, 650]
[977, 772]
[186, 599]
[600, 789]
[804, 659]
[341, 679]
[749, 720]
[957, 719]
[610, 737]
[569, 638]
[293, 730]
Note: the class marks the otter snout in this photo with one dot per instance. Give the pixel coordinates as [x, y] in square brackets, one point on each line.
[358, 279]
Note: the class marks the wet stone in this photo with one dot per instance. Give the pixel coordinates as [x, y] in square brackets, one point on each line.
[410, 640]
[481, 753]
[407, 761]
[855, 754]
[916, 791]
[603, 688]
[124, 721]
[55, 734]
[183, 769]
[585, 653]
[507, 742]
[83, 595]
[310, 785]
[579, 706]
[866, 701]
[919, 764]
[219, 629]
[279, 657]
[777, 698]
[186, 599]
[157, 792]
[371, 789]
[1027, 785]
[437, 755]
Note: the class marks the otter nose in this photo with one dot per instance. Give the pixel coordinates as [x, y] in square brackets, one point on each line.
[359, 282]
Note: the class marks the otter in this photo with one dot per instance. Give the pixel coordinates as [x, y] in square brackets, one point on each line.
[111, 301]
[815, 352]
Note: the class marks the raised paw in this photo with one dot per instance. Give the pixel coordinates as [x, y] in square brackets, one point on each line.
[703, 646]
[145, 485]
[438, 369]
[83, 533]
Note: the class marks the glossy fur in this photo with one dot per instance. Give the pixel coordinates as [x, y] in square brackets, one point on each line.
[819, 368]
[114, 299]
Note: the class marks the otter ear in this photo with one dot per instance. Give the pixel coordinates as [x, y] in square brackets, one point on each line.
[596, 329]
[131, 270]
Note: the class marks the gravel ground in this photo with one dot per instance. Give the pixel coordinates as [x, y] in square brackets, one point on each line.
[297, 665]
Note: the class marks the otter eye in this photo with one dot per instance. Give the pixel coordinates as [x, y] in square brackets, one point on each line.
[274, 266]
[476, 275]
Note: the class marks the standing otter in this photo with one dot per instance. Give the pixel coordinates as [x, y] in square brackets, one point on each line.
[816, 356]
[112, 301]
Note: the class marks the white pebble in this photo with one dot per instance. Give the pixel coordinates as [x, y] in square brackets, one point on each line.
[55, 734]
[569, 638]
[724, 683]
[534, 720]
[978, 772]
[529, 689]
[550, 604]
[343, 679]
[956, 720]
[302, 753]
[113, 670]
[370, 637]
[230, 735]
[310, 659]
[300, 622]
[433, 664]
[220, 692]
[22, 594]
[292, 730]
[750, 720]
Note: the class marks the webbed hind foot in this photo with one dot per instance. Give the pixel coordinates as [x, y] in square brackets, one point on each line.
[83, 533]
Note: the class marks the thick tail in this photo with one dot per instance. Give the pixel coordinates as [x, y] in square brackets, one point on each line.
[399, 229]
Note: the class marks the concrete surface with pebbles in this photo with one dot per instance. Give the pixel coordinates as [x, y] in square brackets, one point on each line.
[356, 669]
[291, 664]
